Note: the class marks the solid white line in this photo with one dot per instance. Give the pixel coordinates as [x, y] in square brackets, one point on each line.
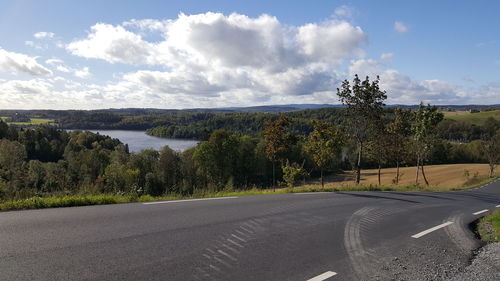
[420, 234]
[497, 206]
[308, 193]
[323, 276]
[188, 200]
[480, 212]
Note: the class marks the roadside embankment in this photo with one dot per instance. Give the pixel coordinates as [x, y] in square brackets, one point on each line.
[485, 265]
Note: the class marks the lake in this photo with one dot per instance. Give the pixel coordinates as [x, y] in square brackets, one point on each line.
[138, 140]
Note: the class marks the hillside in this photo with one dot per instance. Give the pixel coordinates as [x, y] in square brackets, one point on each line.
[477, 118]
[441, 176]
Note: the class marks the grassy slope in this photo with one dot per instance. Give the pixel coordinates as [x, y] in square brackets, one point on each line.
[475, 118]
[489, 227]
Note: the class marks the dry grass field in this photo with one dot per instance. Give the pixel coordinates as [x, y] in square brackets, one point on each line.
[439, 176]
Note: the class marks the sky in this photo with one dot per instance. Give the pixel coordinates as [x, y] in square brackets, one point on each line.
[204, 54]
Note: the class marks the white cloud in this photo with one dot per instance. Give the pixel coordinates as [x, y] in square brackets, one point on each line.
[113, 44]
[211, 59]
[214, 55]
[344, 11]
[400, 27]
[334, 40]
[386, 56]
[43, 35]
[402, 89]
[54, 61]
[15, 62]
[83, 73]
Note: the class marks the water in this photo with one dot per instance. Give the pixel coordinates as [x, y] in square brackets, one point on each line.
[138, 140]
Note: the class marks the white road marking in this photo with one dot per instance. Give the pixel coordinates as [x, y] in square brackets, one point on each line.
[230, 248]
[241, 233]
[497, 206]
[188, 200]
[227, 255]
[420, 234]
[245, 229]
[480, 212]
[234, 242]
[308, 193]
[323, 276]
[239, 238]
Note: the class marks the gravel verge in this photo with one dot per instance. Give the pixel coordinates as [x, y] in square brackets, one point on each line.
[485, 265]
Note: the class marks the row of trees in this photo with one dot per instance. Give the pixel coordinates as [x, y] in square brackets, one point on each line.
[47, 161]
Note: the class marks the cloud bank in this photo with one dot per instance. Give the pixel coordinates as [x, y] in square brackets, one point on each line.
[211, 60]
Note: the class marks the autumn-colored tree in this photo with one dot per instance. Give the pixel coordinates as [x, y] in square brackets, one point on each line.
[364, 101]
[424, 135]
[277, 140]
[324, 144]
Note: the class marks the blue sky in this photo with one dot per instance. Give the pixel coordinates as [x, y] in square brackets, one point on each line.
[182, 54]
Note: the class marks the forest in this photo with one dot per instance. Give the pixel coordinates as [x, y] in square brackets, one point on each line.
[244, 150]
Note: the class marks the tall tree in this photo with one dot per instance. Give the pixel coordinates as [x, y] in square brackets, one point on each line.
[424, 135]
[364, 101]
[399, 131]
[324, 144]
[490, 145]
[216, 157]
[277, 141]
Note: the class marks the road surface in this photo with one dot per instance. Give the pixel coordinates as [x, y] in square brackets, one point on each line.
[310, 236]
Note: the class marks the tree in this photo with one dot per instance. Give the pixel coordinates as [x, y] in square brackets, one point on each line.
[292, 173]
[424, 135]
[277, 140]
[399, 131]
[364, 101]
[169, 167]
[324, 144]
[491, 148]
[377, 147]
[216, 157]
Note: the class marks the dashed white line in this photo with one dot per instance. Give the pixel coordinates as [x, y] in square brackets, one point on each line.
[420, 234]
[323, 276]
[480, 212]
[234, 243]
[189, 200]
[239, 238]
[227, 255]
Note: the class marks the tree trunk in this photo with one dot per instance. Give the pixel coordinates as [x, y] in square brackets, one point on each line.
[492, 168]
[358, 168]
[322, 180]
[423, 174]
[397, 172]
[379, 167]
[418, 167]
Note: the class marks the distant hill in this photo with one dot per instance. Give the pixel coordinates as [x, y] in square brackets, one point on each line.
[57, 114]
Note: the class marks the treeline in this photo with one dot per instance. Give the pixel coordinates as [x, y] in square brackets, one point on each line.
[287, 149]
[196, 125]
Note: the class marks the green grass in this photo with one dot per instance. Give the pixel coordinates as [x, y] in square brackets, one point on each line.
[489, 227]
[102, 199]
[33, 121]
[476, 118]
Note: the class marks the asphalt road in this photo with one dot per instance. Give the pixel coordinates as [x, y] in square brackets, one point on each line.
[318, 236]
